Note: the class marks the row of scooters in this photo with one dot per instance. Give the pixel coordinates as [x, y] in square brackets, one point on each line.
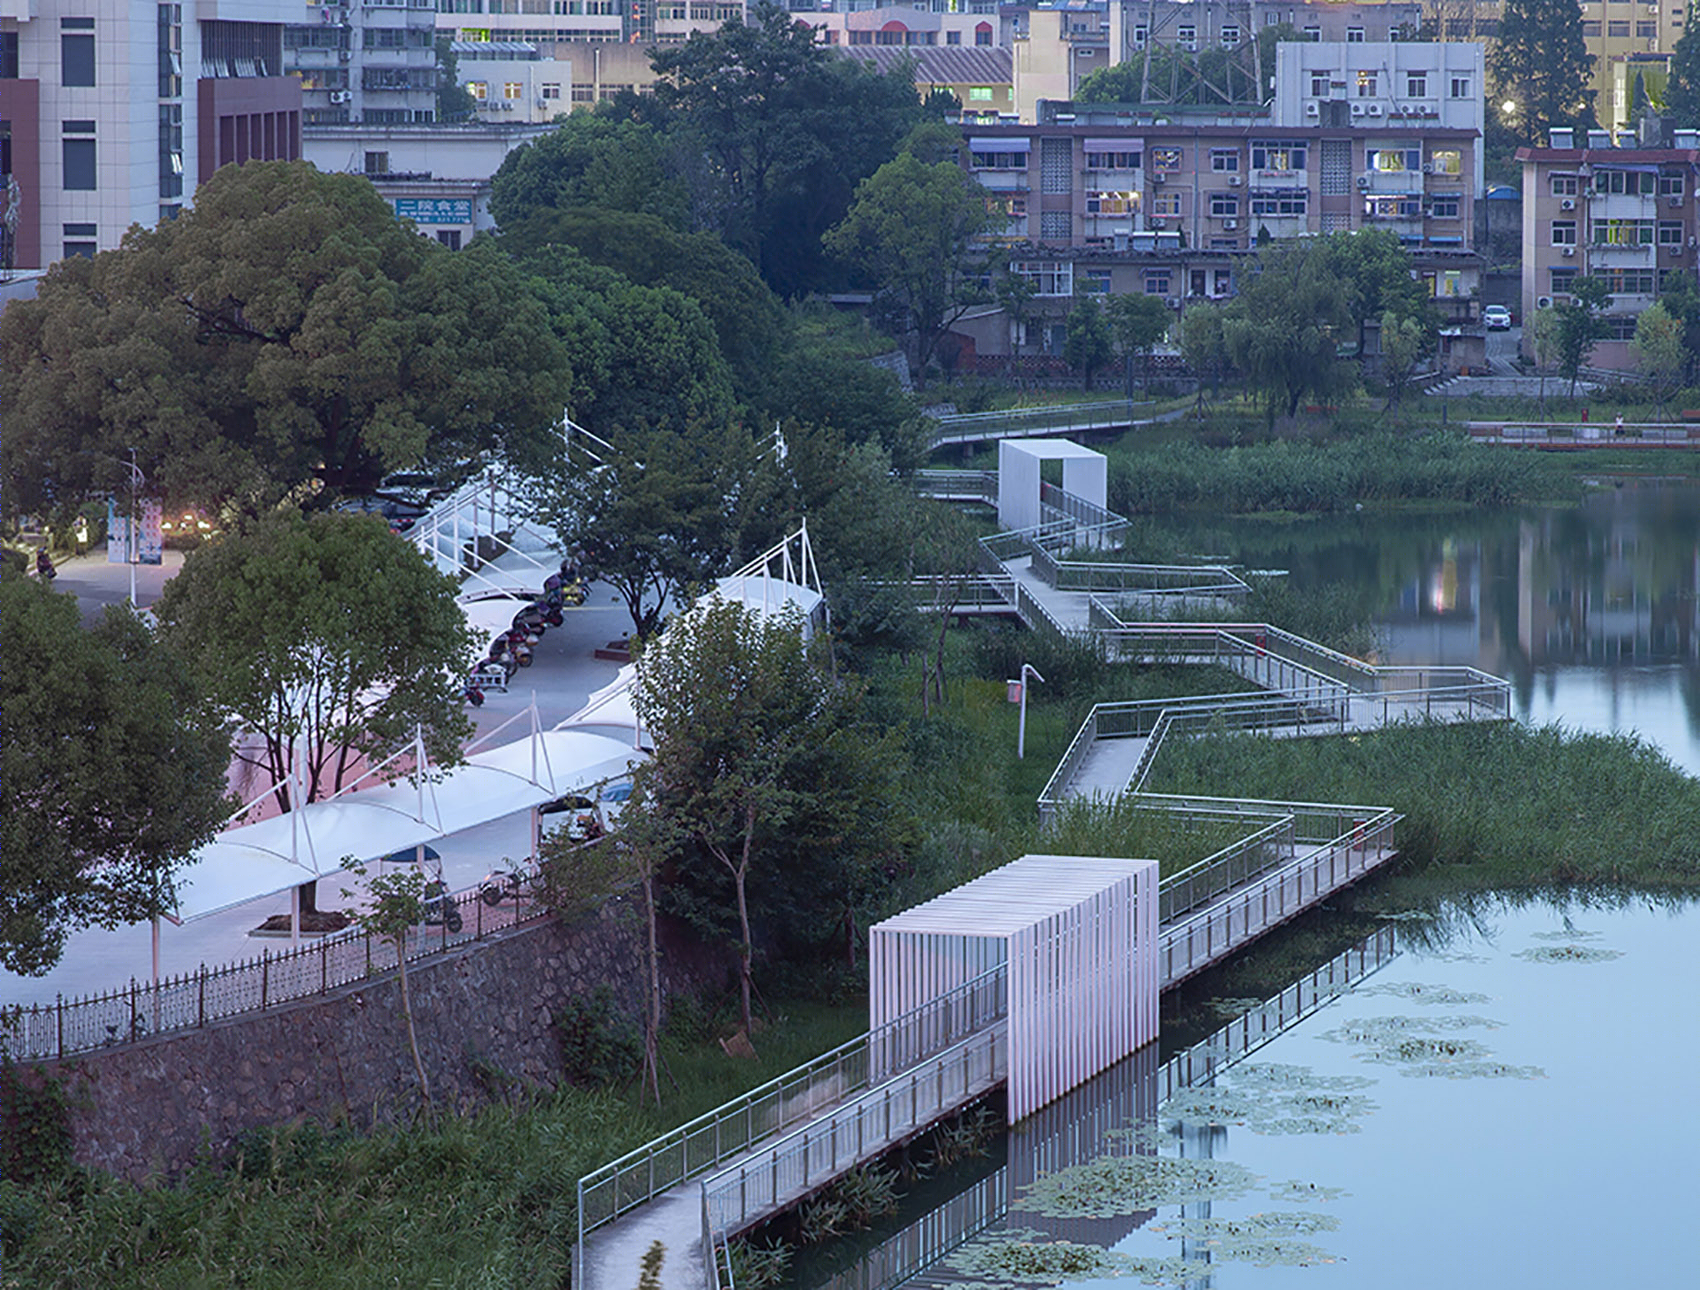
[511, 650]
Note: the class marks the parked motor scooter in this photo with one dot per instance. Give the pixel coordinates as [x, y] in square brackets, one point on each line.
[505, 884]
[440, 907]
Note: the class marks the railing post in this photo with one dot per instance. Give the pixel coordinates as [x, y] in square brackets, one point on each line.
[201, 1005]
[265, 976]
[60, 1009]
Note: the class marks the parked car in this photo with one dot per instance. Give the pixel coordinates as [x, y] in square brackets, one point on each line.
[1497, 318]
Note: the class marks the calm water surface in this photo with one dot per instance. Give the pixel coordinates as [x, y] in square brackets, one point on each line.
[1590, 610]
[1511, 1104]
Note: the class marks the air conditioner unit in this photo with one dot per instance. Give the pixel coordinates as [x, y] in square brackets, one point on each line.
[1156, 221]
[1191, 46]
[1567, 251]
[1375, 109]
[1172, 302]
[1159, 180]
[1543, 302]
[343, 55]
[1363, 183]
[1313, 108]
[341, 96]
[1428, 167]
[1675, 202]
[1568, 204]
[1358, 109]
[1233, 181]
[1230, 224]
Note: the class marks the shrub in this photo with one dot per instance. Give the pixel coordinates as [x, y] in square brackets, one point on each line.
[600, 1046]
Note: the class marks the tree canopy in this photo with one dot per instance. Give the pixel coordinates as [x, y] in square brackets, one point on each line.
[327, 636]
[1377, 272]
[1540, 64]
[113, 772]
[287, 333]
[912, 230]
[1682, 89]
[1088, 344]
[1283, 330]
[591, 159]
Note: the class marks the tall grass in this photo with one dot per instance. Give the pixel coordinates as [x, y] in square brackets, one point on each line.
[1487, 806]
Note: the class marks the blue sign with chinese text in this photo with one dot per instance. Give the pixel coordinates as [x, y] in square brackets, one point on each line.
[435, 210]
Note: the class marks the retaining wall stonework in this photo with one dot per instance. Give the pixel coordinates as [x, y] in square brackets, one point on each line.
[151, 1107]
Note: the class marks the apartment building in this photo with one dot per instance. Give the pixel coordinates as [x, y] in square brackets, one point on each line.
[1108, 200]
[547, 23]
[511, 81]
[907, 25]
[1610, 209]
[111, 111]
[365, 60]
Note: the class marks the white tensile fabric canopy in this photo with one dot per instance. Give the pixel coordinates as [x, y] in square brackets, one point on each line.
[271, 857]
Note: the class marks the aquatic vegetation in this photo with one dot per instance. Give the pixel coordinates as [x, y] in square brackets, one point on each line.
[1568, 954]
[1370, 1030]
[1418, 992]
[1116, 1185]
[1276, 1075]
[1228, 1009]
[1389, 1040]
[1566, 934]
[1296, 1189]
[1317, 1113]
[1015, 1257]
[1213, 1106]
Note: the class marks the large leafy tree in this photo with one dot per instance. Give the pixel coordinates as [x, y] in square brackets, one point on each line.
[1540, 64]
[789, 129]
[912, 229]
[1682, 90]
[288, 333]
[1089, 343]
[1377, 272]
[1283, 330]
[1579, 326]
[328, 638]
[1137, 323]
[591, 159]
[113, 772]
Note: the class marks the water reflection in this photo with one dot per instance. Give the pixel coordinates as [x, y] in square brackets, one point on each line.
[1592, 610]
[1528, 1070]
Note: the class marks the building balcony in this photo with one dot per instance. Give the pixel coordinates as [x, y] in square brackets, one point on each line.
[1391, 181]
[1632, 253]
[1003, 181]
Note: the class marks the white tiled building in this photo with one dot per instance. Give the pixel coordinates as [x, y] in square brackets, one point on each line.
[111, 111]
[365, 60]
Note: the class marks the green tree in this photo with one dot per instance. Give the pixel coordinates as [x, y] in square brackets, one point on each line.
[1118, 83]
[1657, 346]
[454, 101]
[287, 333]
[590, 159]
[1137, 323]
[113, 772]
[395, 905]
[767, 106]
[1015, 293]
[912, 229]
[1088, 344]
[1682, 89]
[327, 636]
[1543, 343]
[1283, 329]
[1377, 271]
[747, 321]
[1681, 299]
[1402, 345]
[1579, 326]
[1204, 346]
[1540, 63]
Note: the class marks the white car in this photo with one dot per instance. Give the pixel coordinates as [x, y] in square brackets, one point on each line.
[1497, 318]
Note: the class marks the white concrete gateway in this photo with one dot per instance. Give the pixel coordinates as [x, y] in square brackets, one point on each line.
[1085, 474]
[1079, 937]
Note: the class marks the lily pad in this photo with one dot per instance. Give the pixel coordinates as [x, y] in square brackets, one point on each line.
[1014, 1258]
[1418, 992]
[1568, 954]
[1296, 1189]
[1112, 1186]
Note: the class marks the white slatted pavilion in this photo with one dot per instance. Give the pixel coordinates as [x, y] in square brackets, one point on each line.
[1079, 937]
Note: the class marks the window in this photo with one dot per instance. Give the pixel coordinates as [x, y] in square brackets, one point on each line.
[1102, 203]
[1393, 159]
[1230, 36]
[1631, 183]
[1293, 203]
[1646, 31]
[1670, 185]
[512, 90]
[1564, 232]
[1166, 161]
[1139, 37]
[76, 54]
[79, 165]
[1313, 34]
[1445, 205]
[86, 249]
[1113, 160]
[998, 160]
[1319, 83]
[983, 34]
[377, 163]
[1562, 280]
[1224, 161]
[1222, 277]
[1623, 232]
[449, 237]
[551, 89]
[170, 51]
[1416, 85]
[1590, 28]
[1278, 155]
[1164, 204]
[1446, 161]
[170, 149]
[1366, 85]
[1094, 282]
[1628, 282]
[1048, 278]
[1564, 185]
[1670, 232]
[1396, 207]
[1157, 282]
[1224, 205]
[1187, 36]
[1617, 29]
[1460, 87]
[1354, 35]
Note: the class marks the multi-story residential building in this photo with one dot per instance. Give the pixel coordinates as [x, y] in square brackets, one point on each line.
[982, 79]
[366, 60]
[111, 111]
[510, 81]
[905, 25]
[547, 23]
[1409, 84]
[1111, 199]
[1608, 209]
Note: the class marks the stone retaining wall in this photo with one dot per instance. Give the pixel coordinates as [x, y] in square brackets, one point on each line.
[483, 1015]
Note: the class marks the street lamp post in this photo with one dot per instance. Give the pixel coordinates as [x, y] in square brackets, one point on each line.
[1018, 694]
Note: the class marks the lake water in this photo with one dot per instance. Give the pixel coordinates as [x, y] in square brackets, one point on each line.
[1592, 611]
[1481, 1110]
